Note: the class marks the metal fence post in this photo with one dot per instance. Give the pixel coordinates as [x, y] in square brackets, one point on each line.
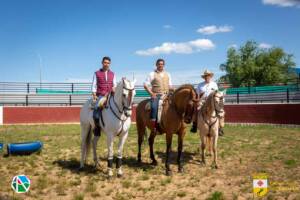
[238, 97]
[287, 95]
[72, 87]
[27, 88]
[70, 100]
[26, 100]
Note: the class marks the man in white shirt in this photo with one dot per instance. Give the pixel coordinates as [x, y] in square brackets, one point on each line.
[157, 83]
[204, 89]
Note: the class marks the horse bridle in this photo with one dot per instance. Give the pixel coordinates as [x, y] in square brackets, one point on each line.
[124, 107]
[217, 113]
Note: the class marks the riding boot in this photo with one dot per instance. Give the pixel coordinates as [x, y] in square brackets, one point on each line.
[97, 129]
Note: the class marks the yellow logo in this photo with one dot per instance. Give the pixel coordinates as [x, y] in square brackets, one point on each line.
[260, 184]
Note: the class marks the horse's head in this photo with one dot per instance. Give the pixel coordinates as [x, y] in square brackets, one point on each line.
[219, 100]
[191, 107]
[125, 92]
[186, 102]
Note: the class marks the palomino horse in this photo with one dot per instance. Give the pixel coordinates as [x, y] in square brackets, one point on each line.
[177, 109]
[115, 121]
[208, 123]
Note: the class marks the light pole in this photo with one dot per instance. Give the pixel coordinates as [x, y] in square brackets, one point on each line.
[40, 67]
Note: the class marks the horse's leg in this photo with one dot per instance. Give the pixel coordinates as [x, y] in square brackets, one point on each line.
[209, 146]
[95, 141]
[151, 142]
[203, 140]
[122, 140]
[141, 129]
[110, 157]
[214, 144]
[85, 131]
[181, 134]
[168, 152]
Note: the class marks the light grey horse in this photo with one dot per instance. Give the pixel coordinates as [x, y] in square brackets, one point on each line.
[115, 121]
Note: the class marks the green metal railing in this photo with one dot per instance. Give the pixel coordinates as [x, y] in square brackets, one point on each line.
[262, 89]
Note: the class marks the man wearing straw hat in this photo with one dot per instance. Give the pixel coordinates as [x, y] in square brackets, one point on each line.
[204, 89]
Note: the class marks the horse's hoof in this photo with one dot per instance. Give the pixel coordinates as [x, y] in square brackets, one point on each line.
[214, 166]
[80, 169]
[97, 165]
[180, 170]
[110, 173]
[119, 175]
[154, 162]
[168, 172]
[139, 160]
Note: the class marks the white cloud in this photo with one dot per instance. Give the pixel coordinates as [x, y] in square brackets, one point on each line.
[208, 30]
[167, 26]
[265, 46]
[232, 46]
[180, 47]
[282, 3]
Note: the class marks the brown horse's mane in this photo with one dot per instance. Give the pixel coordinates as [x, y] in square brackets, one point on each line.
[185, 86]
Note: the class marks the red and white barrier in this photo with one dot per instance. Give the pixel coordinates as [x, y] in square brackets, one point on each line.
[235, 113]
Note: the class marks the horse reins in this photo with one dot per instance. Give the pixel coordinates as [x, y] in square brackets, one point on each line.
[124, 108]
[217, 112]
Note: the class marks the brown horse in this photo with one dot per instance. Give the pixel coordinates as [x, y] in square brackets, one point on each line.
[178, 109]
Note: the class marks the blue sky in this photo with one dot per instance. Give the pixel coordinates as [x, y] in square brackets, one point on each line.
[71, 36]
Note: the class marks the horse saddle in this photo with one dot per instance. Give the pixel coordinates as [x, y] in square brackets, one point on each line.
[99, 103]
[159, 109]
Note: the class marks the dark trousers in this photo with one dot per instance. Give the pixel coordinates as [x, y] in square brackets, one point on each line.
[154, 107]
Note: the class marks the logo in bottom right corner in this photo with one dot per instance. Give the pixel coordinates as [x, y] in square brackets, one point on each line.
[260, 184]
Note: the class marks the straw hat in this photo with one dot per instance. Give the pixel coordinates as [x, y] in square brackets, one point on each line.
[207, 73]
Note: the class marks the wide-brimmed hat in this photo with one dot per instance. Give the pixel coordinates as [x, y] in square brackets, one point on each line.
[207, 73]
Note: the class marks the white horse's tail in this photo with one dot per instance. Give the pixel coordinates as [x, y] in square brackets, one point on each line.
[88, 141]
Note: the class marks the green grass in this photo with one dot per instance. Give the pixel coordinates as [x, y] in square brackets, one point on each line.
[216, 196]
[243, 151]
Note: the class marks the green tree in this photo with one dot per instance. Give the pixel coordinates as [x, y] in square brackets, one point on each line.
[253, 66]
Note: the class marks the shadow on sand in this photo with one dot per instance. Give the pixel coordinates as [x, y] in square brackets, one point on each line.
[73, 166]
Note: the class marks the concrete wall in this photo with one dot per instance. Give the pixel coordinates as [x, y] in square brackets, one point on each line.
[238, 113]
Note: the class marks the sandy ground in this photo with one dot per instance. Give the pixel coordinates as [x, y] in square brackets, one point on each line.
[243, 152]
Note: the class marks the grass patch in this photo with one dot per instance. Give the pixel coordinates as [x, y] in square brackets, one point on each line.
[216, 196]
[290, 163]
[79, 196]
[181, 194]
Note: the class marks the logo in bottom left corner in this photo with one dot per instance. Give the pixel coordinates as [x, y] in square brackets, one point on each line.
[20, 184]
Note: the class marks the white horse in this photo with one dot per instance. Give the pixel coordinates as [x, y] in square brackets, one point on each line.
[115, 121]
